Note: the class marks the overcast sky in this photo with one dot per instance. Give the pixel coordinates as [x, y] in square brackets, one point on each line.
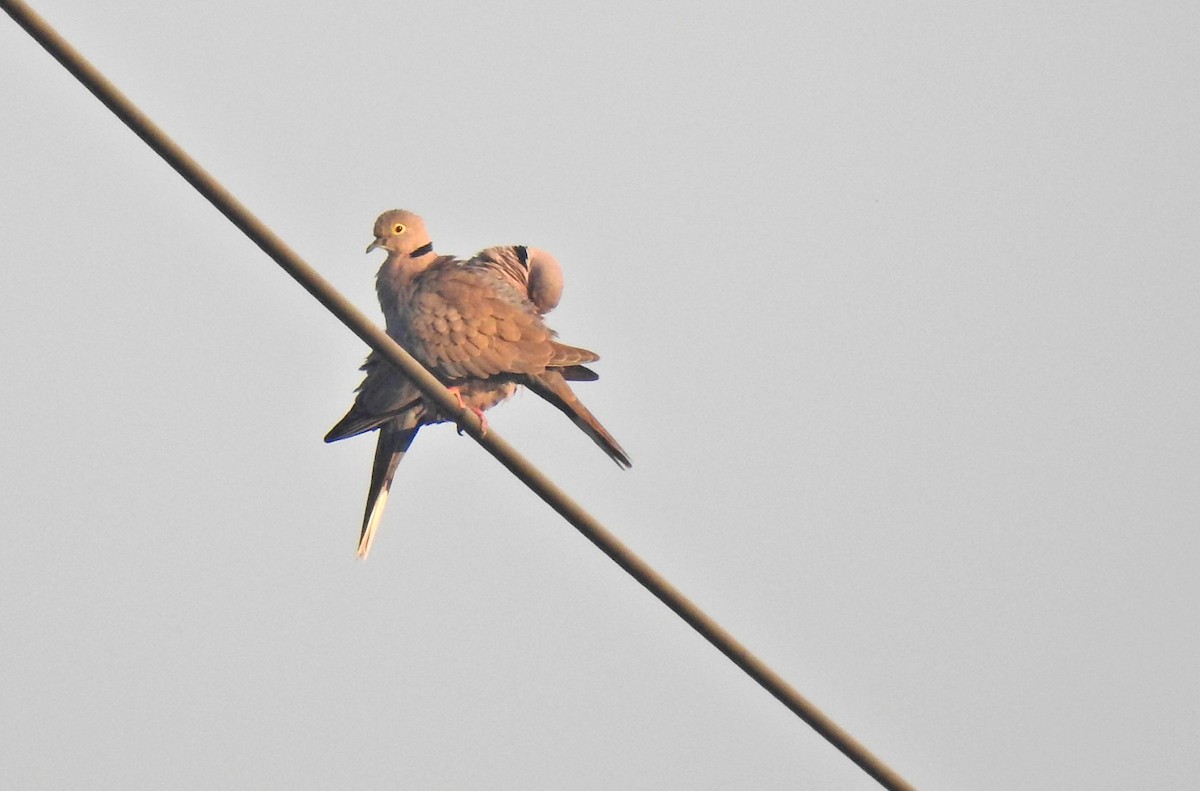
[899, 310]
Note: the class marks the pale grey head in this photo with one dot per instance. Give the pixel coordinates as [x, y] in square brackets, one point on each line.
[402, 233]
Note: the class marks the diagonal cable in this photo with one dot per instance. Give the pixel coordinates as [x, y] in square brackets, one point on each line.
[378, 340]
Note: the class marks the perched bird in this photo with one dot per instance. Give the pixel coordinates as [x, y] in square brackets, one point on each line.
[477, 325]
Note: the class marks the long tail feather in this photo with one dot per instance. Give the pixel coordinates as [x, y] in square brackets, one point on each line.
[551, 386]
[392, 445]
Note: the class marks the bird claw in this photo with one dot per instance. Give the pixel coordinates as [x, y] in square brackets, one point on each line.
[483, 424]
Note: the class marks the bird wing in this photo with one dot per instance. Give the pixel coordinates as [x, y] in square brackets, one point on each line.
[463, 322]
[385, 394]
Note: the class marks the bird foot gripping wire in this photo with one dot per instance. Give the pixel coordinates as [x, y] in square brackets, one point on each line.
[483, 424]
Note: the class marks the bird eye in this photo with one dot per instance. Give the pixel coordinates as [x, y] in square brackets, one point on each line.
[398, 228]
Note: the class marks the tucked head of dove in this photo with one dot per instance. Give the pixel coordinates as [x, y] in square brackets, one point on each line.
[402, 233]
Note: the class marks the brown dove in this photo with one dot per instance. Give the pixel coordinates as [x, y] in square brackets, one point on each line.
[387, 400]
[477, 325]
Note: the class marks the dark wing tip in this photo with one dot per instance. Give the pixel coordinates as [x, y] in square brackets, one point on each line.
[353, 424]
[579, 373]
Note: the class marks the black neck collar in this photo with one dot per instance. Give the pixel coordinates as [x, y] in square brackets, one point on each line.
[422, 250]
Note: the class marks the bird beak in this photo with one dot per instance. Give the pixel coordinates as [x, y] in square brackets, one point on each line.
[374, 244]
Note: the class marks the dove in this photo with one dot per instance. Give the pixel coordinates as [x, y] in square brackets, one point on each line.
[477, 325]
[475, 320]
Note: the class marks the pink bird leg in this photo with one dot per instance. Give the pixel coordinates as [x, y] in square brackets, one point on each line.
[483, 424]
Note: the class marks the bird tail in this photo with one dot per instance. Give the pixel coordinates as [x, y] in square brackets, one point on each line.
[392, 445]
[552, 386]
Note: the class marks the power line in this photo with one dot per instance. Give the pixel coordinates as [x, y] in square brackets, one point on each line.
[378, 340]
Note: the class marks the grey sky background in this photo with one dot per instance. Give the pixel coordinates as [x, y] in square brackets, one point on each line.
[898, 311]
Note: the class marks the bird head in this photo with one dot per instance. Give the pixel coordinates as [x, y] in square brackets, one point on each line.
[402, 233]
